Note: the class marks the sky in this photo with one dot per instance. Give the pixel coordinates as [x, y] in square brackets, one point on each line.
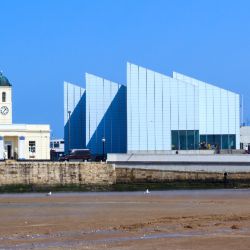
[44, 43]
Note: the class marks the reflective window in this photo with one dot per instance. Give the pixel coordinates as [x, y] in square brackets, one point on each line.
[210, 140]
[203, 139]
[217, 140]
[224, 141]
[190, 139]
[185, 139]
[213, 141]
[232, 142]
[196, 139]
[175, 140]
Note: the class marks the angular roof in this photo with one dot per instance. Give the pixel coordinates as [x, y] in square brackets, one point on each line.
[4, 80]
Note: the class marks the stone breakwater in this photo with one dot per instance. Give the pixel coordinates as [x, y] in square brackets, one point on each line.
[56, 173]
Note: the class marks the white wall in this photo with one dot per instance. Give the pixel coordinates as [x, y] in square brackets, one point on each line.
[75, 103]
[157, 104]
[6, 119]
[219, 109]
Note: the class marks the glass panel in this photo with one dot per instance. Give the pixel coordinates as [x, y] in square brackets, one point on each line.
[213, 141]
[232, 142]
[210, 141]
[196, 139]
[183, 139]
[203, 138]
[217, 140]
[190, 139]
[175, 140]
[224, 141]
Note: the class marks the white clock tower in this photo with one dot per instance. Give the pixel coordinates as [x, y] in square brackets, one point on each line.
[5, 100]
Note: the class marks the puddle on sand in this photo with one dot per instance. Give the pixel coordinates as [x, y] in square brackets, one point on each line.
[109, 239]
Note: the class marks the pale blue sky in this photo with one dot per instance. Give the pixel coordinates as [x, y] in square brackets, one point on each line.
[46, 42]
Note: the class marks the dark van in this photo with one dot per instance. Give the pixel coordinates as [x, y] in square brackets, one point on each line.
[77, 155]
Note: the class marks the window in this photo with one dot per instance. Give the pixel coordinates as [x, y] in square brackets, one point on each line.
[185, 139]
[190, 139]
[232, 142]
[223, 141]
[3, 96]
[56, 144]
[217, 140]
[175, 140]
[210, 139]
[196, 139]
[32, 146]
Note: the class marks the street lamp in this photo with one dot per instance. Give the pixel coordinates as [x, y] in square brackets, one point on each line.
[103, 148]
[69, 113]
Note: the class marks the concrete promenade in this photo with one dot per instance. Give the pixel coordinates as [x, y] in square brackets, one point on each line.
[187, 163]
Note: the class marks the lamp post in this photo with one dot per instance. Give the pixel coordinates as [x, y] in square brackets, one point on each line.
[69, 113]
[103, 148]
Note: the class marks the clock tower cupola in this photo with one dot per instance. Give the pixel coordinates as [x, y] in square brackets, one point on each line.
[5, 100]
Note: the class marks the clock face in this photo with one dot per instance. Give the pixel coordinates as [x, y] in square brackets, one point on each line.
[4, 110]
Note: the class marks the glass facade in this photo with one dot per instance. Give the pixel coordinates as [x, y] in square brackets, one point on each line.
[185, 139]
[223, 141]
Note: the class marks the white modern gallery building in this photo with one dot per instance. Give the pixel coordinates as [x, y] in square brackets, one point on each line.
[151, 113]
[20, 141]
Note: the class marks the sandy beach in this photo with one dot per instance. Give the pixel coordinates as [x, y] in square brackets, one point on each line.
[212, 219]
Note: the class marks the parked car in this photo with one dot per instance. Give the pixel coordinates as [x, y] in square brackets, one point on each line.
[77, 155]
[98, 158]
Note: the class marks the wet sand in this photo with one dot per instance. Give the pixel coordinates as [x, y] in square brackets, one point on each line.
[214, 219]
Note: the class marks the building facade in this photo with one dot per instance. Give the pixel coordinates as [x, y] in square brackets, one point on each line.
[245, 138]
[105, 115]
[157, 113]
[20, 141]
[95, 117]
[178, 113]
[56, 149]
[74, 117]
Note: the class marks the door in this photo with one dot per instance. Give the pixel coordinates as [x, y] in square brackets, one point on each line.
[8, 147]
[9, 150]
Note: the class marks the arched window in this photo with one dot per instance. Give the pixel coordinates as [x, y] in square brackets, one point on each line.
[3, 96]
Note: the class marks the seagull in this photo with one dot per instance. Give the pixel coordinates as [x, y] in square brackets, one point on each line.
[49, 194]
[147, 192]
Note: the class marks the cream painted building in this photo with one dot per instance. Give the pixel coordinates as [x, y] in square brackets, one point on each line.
[20, 141]
[245, 137]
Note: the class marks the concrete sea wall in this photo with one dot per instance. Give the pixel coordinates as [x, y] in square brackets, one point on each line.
[135, 175]
[101, 174]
